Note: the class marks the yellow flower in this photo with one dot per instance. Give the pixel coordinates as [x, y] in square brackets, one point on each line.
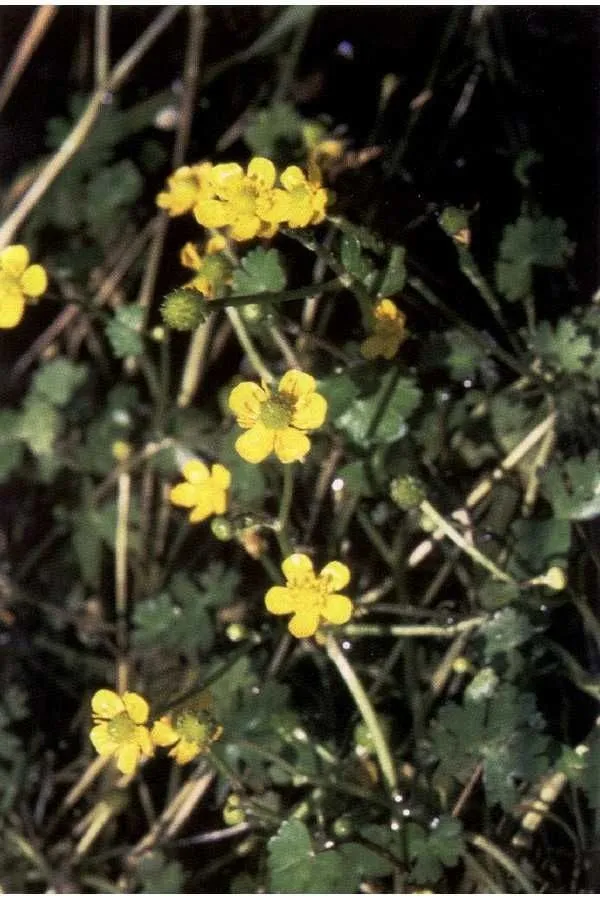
[204, 492]
[213, 269]
[233, 198]
[184, 188]
[277, 420]
[18, 281]
[189, 736]
[302, 203]
[388, 332]
[120, 728]
[310, 597]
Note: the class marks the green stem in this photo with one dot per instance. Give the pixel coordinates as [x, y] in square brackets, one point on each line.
[284, 509]
[450, 532]
[366, 710]
[508, 864]
[246, 343]
[194, 361]
[409, 631]
[375, 538]
[301, 293]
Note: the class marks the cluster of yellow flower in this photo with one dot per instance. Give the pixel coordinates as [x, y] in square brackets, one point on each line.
[121, 731]
[19, 282]
[249, 203]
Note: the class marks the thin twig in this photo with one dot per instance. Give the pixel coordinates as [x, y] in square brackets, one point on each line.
[75, 139]
[33, 34]
[102, 45]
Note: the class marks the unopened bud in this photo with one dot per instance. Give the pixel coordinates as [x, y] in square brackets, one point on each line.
[407, 492]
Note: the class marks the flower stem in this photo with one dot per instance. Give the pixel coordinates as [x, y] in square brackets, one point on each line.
[366, 710]
[284, 508]
[358, 630]
[194, 363]
[508, 864]
[244, 338]
[431, 513]
[123, 500]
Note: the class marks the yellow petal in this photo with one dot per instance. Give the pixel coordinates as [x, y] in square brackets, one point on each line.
[386, 309]
[103, 743]
[338, 609]
[256, 444]
[280, 601]
[12, 307]
[204, 507]
[262, 171]
[310, 411]
[184, 752]
[163, 734]
[106, 704]
[297, 566]
[185, 494]
[301, 212]
[136, 706]
[221, 476]
[215, 244]
[34, 281]
[290, 445]
[245, 402]
[212, 213]
[304, 624]
[189, 256]
[144, 741]
[337, 575]
[195, 471]
[245, 227]
[292, 177]
[127, 758]
[226, 177]
[14, 260]
[296, 384]
[219, 501]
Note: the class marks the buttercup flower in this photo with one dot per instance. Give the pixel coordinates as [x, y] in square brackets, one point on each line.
[188, 735]
[302, 202]
[213, 269]
[184, 188]
[203, 491]
[120, 728]
[277, 420]
[311, 598]
[233, 198]
[18, 281]
[388, 332]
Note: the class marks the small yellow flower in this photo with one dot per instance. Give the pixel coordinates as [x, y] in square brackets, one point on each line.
[120, 728]
[213, 269]
[312, 598]
[203, 491]
[233, 197]
[388, 333]
[302, 202]
[18, 281]
[277, 420]
[184, 188]
[188, 736]
[121, 450]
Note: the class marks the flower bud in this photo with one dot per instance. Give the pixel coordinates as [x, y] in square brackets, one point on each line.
[407, 492]
[221, 528]
[183, 310]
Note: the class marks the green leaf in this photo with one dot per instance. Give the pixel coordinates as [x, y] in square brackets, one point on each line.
[395, 274]
[573, 487]
[39, 425]
[111, 192]
[464, 357]
[505, 630]
[529, 242]
[503, 733]
[512, 419]
[275, 131]
[157, 875]
[353, 261]
[431, 851]
[564, 348]
[123, 332]
[590, 781]
[260, 271]
[538, 544]
[57, 381]
[295, 868]
[11, 447]
[381, 418]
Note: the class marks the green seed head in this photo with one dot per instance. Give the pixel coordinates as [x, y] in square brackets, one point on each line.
[407, 492]
[183, 310]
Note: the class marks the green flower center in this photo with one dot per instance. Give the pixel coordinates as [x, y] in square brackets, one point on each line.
[122, 728]
[276, 412]
[189, 728]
